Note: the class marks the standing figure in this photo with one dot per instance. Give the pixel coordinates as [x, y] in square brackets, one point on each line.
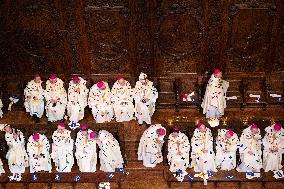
[34, 98]
[38, 150]
[100, 102]
[109, 154]
[77, 101]
[86, 150]
[203, 157]
[150, 146]
[178, 153]
[62, 149]
[145, 96]
[214, 101]
[17, 156]
[273, 143]
[250, 150]
[56, 99]
[226, 147]
[122, 100]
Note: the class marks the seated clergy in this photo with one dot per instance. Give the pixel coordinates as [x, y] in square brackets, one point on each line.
[214, 101]
[100, 102]
[38, 150]
[145, 96]
[62, 149]
[273, 143]
[250, 150]
[203, 158]
[226, 147]
[150, 146]
[178, 152]
[34, 98]
[86, 150]
[56, 99]
[122, 100]
[109, 154]
[77, 100]
[16, 155]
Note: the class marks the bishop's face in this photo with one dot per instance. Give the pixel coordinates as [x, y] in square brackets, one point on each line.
[37, 79]
[254, 131]
[228, 135]
[8, 129]
[85, 133]
[175, 134]
[219, 75]
[60, 129]
[202, 128]
[121, 82]
[52, 81]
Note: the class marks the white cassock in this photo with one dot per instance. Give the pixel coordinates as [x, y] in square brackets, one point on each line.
[34, 98]
[214, 101]
[202, 162]
[250, 142]
[272, 139]
[17, 156]
[226, 149]
[55, 110]
[150, 146]
[86, 152]
[109, 154]
[178, 152]
[100, 103]
[62, 151]
[122, 101]
[77, 101]
[39, 156]
[144, 110]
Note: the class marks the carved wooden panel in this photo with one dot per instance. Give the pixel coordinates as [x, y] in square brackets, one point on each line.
[249, 35]
[234, 90]
[255, 91]
[108, 37]
[35, 38]
[279, 54]
[180, 36]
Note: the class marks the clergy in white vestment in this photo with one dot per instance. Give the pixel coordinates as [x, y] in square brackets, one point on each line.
[17, 156]
[1, 106]
[214, 101]
[86, 149]
[38, 150]
[150, 146]
[178, 152]
[62, 149]
[100, 102]
[56, 99]
[273, 143]
[145, 96]
[226, 147]
[122, 100]
[77, 101]
[34, 97]
[203, 157]
[109, 154]
[250, 150]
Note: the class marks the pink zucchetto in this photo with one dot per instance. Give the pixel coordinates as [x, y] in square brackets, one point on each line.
[75, 79]
[199, 124]
[93, 134]
[176, 129]
[52, 77]
[84, 127]
[161, 131]
[100, 84]
[216, 71]
[253, 126]
[61, 124]
[119, 78]
[277, 127]
[35, 136]
[230, 132]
